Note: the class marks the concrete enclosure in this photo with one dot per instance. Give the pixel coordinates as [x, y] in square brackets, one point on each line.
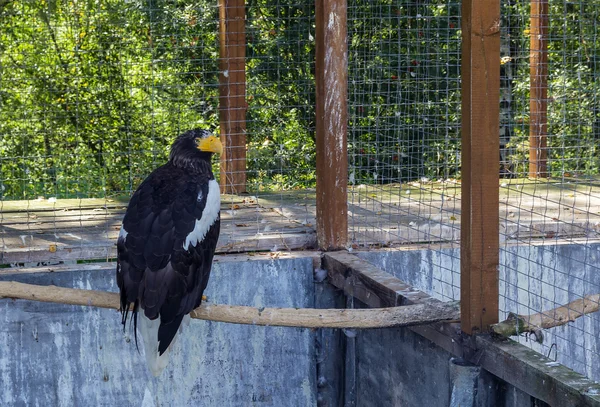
[63, 355]
[58, 355]
[532, 278]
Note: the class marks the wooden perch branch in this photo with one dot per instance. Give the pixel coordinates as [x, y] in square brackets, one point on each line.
[520, 324]
[301, 318]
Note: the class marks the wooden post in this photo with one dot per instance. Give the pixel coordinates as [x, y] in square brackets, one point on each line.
[332, 122]
[538, 100]
[480, 164]
[232, 95]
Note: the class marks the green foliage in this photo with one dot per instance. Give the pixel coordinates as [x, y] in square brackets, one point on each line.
[404, 90]
[93, 92]
[573, 89]
[281, 94]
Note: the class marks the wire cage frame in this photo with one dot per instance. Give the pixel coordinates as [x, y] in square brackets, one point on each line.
[395, 137]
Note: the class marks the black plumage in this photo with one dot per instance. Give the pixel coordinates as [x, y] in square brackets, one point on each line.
[168, 238]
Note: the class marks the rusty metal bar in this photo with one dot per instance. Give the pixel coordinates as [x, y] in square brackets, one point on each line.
[538, 100]
[332, 122]
[232, 94]
[480, 164]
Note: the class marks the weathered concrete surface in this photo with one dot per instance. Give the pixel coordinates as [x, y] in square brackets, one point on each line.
[66, 355]
[532, 279]
[329, 349]
[435, 271]
[56, 355]
[397, 367]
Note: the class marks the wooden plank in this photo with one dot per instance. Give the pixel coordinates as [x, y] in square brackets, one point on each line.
[40, 206]
[59, 226]
[535, 374]
[447, 336]
[33, 240]
[232, 95]
[219, 258]
[243, 218]
[59, 252]
[331, 76]
[106, 249]
[480, 164]
[62, 217]
[370, 284]
[72, 233]
[246, 221]
[59, 268]
[27, 237]
[538, 99]
[53, 205]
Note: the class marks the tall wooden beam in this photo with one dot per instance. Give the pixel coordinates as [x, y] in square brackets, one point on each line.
[332, 122]
[232, 94]
[480, 164]
[538, 100]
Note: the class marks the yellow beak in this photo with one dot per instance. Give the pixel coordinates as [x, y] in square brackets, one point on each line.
[210, 144]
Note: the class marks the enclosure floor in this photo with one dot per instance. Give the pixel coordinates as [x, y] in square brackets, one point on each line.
[72, 229]
[53, 230]
[532, 211]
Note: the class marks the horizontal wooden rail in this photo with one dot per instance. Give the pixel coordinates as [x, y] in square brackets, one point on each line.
[291, 317]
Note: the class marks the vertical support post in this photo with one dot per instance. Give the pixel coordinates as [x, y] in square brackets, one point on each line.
[538, 99]
[332, 121]
[232, 94]
[480, 164]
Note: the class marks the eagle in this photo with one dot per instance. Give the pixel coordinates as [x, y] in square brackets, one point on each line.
[166, 244]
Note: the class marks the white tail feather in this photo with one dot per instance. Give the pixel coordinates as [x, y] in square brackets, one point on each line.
[185, 322]
[149, 331]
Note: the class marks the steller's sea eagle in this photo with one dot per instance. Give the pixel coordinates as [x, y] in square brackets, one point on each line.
[167, 242]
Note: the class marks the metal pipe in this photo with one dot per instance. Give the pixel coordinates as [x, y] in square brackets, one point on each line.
[463, 376]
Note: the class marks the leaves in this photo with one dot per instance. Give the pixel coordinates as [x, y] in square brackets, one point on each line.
[92, 93]
[90, 108]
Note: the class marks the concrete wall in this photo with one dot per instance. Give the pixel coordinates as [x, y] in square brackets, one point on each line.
[57, 355]
[78, 356]
[396, 367]
[532, 279]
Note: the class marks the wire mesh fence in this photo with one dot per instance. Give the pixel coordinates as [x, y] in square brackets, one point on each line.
[404, 153]
[549, 113]
[280, 129]
[92, 94]
[404, 129]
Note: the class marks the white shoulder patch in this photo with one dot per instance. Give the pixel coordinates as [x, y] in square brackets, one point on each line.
[122, 234]
[209, 215]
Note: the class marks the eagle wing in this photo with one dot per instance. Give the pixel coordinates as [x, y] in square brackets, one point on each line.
[165, 248]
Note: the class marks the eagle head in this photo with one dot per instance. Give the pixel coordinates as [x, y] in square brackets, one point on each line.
[194, 146]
